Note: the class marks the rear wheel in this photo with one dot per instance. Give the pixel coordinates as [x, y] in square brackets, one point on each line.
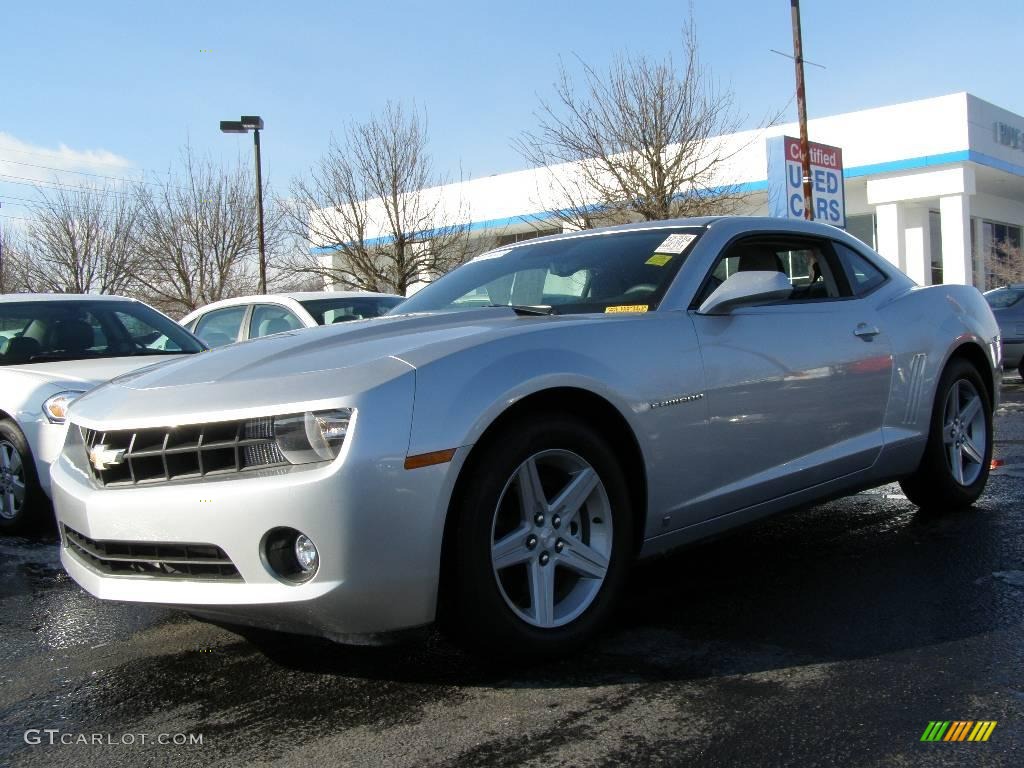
[21, 499]
[955, 466]
[543, 540]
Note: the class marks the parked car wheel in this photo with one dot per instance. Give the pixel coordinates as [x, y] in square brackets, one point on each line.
[543, 539]
[21, 498]
[955, 466]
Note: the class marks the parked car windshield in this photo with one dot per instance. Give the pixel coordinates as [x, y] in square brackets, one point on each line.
[338, 310]
[1001, 298]
[615, 271]
[45, 331]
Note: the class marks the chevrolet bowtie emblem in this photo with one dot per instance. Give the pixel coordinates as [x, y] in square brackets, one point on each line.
[102, 457]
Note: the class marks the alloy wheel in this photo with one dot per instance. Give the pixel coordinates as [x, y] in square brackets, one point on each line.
[12, 481]
[964, 432]
[551, 538]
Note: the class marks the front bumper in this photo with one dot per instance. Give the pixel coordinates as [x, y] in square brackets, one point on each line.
[45, 440]
[378, 528]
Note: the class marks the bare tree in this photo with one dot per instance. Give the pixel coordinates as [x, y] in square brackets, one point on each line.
[1005, 265]
[198, 234]
[638, 142]
[81, 240]
[11, 275]
[373, 209]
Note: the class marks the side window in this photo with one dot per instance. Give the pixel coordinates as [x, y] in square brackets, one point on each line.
[220, 327]
[144, 335]
[804, 262]
[271, 318]
[864, 276]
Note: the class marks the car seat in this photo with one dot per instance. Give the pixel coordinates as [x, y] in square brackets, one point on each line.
[20, 349]
[71, 336]
[274, 325]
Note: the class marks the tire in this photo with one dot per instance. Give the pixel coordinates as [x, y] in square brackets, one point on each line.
[489, 601]
[22, 501]
[960, 431]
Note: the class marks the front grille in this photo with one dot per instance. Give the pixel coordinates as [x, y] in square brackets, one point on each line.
[170, 561]
[142, 456]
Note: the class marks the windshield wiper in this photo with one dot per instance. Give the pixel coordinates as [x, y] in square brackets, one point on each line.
[528, 309]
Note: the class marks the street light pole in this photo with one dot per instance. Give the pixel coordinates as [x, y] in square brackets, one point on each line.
[801, 107]
[253, 123]
[259, 207]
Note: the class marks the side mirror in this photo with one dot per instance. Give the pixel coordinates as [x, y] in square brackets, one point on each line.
[746, 288]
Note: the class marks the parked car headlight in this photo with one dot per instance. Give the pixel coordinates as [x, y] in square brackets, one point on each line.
[305, 438]
[55, 408]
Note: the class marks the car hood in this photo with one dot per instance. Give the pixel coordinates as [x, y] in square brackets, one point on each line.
[83, 374]
[299, 367]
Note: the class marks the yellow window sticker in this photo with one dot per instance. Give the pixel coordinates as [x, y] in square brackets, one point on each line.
[627, 308]
[659, 259]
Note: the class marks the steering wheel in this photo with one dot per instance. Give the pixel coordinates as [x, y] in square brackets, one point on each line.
[642, 288]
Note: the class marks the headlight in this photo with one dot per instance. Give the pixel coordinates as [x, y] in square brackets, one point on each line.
[309, 437]
[55, 408]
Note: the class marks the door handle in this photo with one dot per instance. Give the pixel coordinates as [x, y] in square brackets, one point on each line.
[865, 331]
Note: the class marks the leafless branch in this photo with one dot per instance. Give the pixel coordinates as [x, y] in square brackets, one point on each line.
[373, 209]
[638, 142]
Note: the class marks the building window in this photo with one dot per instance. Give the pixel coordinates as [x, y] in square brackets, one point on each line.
[998, 253]
[518, 237]
[863, 228]
[935, 245]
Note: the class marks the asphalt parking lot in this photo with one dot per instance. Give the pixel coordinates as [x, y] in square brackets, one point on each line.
[831, 636]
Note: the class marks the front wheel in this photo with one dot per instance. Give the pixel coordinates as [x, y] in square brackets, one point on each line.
[955, 466]
[21, 498]
[543, 540]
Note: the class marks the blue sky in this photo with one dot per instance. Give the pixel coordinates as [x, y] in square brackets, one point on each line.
[122, 86]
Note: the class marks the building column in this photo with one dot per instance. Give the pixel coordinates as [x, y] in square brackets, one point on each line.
[917, 250]
[955, 216]
[889, 222]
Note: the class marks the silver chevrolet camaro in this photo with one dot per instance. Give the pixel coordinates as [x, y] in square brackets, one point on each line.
[496, 453]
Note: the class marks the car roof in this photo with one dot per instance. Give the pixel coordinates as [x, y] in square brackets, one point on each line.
[58, 297]
[296, 296]
[753, 222]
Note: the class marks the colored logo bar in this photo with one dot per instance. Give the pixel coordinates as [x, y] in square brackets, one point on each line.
[958, 730]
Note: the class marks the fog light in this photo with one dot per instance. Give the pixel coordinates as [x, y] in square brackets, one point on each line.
[290, 555]
[305, 553]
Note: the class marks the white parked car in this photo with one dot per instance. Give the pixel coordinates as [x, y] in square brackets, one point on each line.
[54, 348]
[251, 317]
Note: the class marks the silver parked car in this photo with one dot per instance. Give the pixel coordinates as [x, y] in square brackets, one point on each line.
[252, 317]
[53, 348]
[1008, 307]
[498, 453]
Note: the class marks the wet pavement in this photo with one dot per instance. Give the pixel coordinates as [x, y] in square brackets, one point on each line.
[830, 636]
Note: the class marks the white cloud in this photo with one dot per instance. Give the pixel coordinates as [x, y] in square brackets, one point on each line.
[24, 160]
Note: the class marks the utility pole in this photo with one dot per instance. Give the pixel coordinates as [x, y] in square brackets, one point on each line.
[801, 108]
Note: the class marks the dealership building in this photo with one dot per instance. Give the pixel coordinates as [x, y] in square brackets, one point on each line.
[936, 186]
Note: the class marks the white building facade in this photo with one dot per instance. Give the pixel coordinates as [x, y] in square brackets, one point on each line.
[936, 186]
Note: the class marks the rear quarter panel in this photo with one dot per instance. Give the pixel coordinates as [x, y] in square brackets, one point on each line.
[926, 326]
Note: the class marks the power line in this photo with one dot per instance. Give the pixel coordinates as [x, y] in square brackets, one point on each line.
[56, 185]
[81, 173]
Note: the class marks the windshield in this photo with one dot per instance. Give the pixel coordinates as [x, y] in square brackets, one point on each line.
[1001, 298]
[611, 272]
[44, 331]
[328, 311]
